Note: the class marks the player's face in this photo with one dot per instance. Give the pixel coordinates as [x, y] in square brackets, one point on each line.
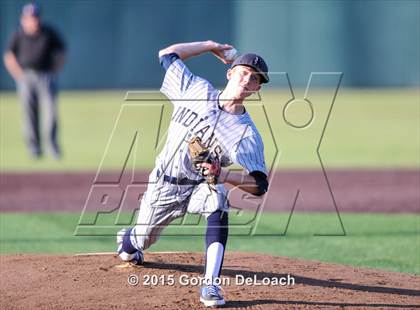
[244, 80]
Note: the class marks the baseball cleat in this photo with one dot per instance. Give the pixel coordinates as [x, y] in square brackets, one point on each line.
[210, 296]
[136, 258]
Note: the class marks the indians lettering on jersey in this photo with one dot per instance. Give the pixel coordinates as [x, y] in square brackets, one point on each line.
[198, 127]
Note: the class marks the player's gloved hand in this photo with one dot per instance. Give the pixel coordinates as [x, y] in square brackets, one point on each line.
[206, 164]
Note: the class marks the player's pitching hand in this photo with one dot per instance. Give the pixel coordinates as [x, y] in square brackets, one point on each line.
[218, 49]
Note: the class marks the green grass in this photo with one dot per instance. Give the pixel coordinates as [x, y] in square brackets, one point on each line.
[384, 241]
[367, 128]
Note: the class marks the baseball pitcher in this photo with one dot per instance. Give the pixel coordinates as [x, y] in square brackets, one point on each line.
[209, 129]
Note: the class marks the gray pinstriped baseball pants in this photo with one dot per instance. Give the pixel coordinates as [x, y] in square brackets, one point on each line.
[152, 220]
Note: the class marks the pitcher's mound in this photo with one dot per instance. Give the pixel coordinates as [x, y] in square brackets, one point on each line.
[171, 281]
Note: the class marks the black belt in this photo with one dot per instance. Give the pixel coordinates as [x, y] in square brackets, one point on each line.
[183, 181]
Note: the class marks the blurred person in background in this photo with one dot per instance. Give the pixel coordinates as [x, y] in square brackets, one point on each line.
[34, 57]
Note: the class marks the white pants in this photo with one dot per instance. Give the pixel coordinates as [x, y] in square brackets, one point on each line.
[153, 219]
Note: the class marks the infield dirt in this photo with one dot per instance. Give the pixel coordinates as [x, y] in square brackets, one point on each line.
[353, 190]
[98, 282]
[101, 282]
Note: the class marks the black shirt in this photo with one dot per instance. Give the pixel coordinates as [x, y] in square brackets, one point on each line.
[36, 52]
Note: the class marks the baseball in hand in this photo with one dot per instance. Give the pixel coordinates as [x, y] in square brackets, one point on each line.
[230, 54]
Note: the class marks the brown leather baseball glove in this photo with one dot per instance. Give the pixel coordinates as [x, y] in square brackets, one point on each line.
[200, 154]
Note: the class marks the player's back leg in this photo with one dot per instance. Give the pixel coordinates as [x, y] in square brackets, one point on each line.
[150, 224]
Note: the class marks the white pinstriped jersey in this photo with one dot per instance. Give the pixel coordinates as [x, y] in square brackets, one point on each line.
[233, 138]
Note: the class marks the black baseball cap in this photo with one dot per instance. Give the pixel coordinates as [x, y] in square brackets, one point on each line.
[31, 9]
[254, 61]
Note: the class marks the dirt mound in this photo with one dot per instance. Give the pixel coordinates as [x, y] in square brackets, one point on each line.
[101, 282]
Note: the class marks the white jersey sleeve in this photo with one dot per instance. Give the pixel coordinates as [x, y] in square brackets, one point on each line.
[249, 153]
[178, 79]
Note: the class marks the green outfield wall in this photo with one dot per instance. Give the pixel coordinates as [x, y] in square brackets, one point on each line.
[114, 44]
